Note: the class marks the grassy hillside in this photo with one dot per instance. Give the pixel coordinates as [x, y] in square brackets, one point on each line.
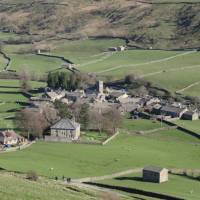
[16, 187]
[125, 152]
[10, 96]
[145, 23]
[179, 186]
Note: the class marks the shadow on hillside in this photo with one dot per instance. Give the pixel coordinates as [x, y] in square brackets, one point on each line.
[14, 87]
[139, 179]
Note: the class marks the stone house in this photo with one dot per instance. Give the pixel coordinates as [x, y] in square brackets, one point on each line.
[155, 174]
[64, 130]
[117, 96]
[174, 112]
[9, 137]
[121, 48]
[52, 95]
[190, 115]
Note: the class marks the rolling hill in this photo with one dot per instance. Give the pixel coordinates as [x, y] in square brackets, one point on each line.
[157, 24]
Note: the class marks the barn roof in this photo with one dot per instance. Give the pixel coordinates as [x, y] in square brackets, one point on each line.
[172, 109]
[65, 124]
[153, 169]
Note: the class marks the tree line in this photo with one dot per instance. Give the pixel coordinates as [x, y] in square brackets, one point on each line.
[67, 81]
[36, 122]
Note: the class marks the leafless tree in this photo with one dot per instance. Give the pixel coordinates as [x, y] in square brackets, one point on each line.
[25, 80]
[31, 122]
[49, 113]
[112, 119]
[96, 120]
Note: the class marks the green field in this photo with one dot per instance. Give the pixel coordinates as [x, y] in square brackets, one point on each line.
[172, 70]
[178, 186]
[3, 62]
[132, 125]
[10, 96]
[125, 152]
[191, 125]
[13, 186]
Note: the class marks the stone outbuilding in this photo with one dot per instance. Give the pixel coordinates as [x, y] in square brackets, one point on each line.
[155, 174]
[190, 115]
[174, 112]
[64, 130]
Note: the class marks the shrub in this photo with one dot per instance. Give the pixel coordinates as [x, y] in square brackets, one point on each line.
[31, 175]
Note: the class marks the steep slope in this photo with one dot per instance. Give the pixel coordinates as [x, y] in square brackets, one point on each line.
[158, 24]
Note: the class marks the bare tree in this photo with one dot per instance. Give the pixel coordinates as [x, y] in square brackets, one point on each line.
[31, 122]
[49, 113]
[96, 120]
[112, 119]
[25, 80]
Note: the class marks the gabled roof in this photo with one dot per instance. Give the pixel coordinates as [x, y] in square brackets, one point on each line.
[117, 94]
[154, 169]
[9, 134]
[190, 113]
[65, 124]
[172, 109]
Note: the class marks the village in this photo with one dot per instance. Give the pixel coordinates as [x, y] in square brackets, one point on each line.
[99, 98]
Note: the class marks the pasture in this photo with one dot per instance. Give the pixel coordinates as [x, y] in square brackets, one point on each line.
[17, 187]
[3, 62]
[191, 125]
[10, 98]
[173, 70]
[124, 152]
[141, 125]
[178, 186]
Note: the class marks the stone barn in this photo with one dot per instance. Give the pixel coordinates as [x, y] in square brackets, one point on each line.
[155, 174]
[190, 115]
[64, 130]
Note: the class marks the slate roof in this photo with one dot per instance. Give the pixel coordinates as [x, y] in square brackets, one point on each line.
[9, 134]
[190, 113]
[172, 109]
[117, 94]
[153, 169]
[65, 124]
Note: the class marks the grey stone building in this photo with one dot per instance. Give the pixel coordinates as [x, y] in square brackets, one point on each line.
[172, 111]
[155, 174]
[190, 115]
[64, 130]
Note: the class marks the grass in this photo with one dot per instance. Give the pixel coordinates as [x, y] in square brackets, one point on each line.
[172, 70]
[179, 186]
[192, 91]
[140, 125]
[84, 51]
[94, 136]
[191, 125]
[17, 187]
[34, 63]
[125, 152]
[2, 62]
[10, 96]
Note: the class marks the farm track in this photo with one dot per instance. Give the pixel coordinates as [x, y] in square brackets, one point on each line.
[188, 87]
[170, 70]
[108, 55]
[146, 63]
[114, 175]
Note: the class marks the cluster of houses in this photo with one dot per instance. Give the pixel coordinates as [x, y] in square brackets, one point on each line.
[100, 97]
[9, 138]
